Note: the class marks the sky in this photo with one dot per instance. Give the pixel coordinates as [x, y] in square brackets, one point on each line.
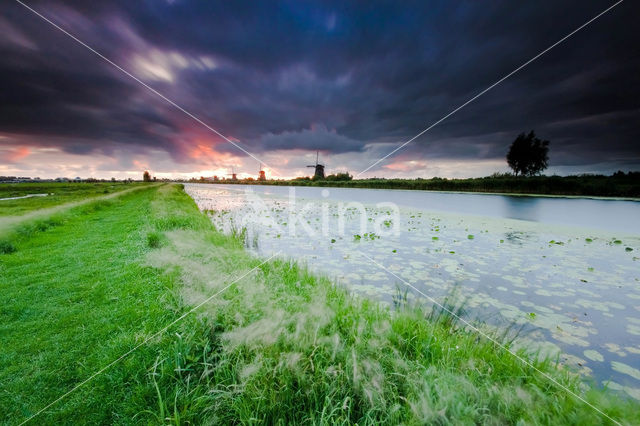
[282, 80]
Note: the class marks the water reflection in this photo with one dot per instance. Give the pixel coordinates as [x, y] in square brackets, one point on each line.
[523, 208]
[611, 215]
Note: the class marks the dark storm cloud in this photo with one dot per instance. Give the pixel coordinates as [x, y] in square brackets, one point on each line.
[333, 76]
[315, 138]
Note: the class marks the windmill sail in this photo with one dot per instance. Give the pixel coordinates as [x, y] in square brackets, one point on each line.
[319, 168]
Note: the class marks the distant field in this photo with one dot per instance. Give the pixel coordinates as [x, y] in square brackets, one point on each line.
[59, 193]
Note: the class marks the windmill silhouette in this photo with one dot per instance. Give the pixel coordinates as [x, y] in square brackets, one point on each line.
[233, 174]
[261, 175]
[319, 173]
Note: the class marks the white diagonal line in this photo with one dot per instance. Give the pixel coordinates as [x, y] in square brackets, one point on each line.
[114, 362]
[486, 336]
[492, 86]
[145, 85]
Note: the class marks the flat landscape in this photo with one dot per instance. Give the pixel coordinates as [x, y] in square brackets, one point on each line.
[319, 213]
[104, 291]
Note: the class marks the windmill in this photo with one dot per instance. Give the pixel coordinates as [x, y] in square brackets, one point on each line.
[261, 174]
[319, 173]
[233, 174]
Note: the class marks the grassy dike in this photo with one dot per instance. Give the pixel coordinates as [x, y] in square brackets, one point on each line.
[278, 346]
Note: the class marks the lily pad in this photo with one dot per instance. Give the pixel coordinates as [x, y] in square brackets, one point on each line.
[623, 368]
[593, 355]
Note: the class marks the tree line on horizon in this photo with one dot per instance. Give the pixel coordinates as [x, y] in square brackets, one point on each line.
[528, 157]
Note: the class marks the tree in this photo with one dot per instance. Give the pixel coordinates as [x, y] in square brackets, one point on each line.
[339, 177]
[528, 155]
[146, 176]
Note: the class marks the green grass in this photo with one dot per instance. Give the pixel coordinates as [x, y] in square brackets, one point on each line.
[278, 346]
[59, 193]
[75, 296]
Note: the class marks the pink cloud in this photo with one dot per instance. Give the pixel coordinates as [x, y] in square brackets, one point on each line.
[406, 166]
[16, 154]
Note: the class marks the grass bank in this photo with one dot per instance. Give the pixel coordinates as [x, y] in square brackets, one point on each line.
[278, 346]
[619, 185]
